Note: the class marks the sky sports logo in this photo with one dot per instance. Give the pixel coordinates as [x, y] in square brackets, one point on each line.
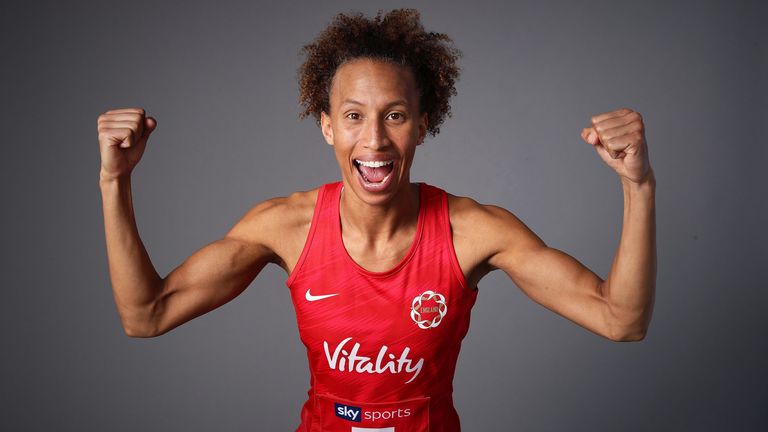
[356, 414]
[347, 412]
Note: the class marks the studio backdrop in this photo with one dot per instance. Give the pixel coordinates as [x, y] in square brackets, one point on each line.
[221, 80]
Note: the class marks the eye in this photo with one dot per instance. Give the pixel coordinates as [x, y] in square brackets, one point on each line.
[395, 116]
[353, 116]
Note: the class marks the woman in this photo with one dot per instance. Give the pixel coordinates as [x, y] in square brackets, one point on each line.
[383, 272]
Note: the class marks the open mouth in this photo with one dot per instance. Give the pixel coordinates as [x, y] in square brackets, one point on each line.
[374, 172]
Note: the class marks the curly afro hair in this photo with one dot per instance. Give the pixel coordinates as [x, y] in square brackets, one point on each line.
[397, 36]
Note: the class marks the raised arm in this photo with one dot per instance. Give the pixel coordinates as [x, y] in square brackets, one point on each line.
[619, 307]
[215, 274]
[148, 304]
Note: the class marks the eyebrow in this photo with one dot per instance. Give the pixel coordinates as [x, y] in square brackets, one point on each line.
[391, 104]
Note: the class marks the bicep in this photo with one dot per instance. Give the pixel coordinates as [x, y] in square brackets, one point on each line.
[549, 276]
[212, 276]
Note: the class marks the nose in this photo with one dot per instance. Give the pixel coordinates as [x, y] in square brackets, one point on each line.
[375, 135]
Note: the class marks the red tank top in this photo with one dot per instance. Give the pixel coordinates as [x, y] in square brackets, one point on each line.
[382, 346]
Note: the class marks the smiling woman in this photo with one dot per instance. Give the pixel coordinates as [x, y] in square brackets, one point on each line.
[374, 124]
[382, 272]
[396, 37]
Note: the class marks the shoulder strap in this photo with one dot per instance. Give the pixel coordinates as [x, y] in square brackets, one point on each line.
[319, 218]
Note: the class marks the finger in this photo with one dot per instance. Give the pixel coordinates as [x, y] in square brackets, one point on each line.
[126, 110]
[127, 132]
[149, 126]
[607, 134]
[613, 122]
[116, 136]
[610, 114]
[628, 144]
[150, 123]
[136, 117]
[119, 124]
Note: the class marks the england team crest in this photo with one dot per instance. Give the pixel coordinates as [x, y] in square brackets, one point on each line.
[428, 309]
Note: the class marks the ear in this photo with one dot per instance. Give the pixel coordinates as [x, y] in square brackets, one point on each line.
[325, 125]
[422, 128]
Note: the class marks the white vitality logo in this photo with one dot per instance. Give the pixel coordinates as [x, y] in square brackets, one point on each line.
[351, 361]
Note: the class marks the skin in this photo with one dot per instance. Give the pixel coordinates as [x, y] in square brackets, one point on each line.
[375, 112]
[378, 228]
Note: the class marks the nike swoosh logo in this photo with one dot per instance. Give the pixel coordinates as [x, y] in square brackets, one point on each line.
[311, 297]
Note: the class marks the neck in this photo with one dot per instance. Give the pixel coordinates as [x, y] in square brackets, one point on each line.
[377, 223]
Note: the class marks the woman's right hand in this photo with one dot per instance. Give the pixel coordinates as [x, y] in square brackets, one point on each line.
[123, 135]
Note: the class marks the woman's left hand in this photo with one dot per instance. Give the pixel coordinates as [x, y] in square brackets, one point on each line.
[619, 138]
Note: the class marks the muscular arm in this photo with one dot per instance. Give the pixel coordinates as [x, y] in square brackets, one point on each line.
[631, 284]
[217, 273]
[618, 308]
[135, 282]
[150, 305]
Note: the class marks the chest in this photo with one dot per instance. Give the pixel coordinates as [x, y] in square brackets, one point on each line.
[420, 304]
[383, 257]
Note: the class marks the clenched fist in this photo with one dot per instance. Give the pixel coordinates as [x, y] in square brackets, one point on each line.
[619, 138]
[123, 135]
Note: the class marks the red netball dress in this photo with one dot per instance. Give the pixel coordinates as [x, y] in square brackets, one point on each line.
[382, 346]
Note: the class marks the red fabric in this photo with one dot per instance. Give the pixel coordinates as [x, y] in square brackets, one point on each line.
[382, 342]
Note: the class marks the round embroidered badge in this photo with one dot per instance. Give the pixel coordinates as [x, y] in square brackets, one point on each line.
[428, 309]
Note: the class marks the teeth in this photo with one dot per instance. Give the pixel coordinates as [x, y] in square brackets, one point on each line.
[373, 164]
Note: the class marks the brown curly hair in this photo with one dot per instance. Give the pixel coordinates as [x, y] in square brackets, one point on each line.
[397, 36]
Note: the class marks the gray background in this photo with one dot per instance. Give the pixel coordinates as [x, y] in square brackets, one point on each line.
[221, 81]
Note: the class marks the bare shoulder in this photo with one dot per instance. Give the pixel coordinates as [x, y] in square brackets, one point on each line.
[474, 225]
[481, 232]
[478, 221]
[280, 224]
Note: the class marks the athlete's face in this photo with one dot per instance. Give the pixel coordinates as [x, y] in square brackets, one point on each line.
[374, 118]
